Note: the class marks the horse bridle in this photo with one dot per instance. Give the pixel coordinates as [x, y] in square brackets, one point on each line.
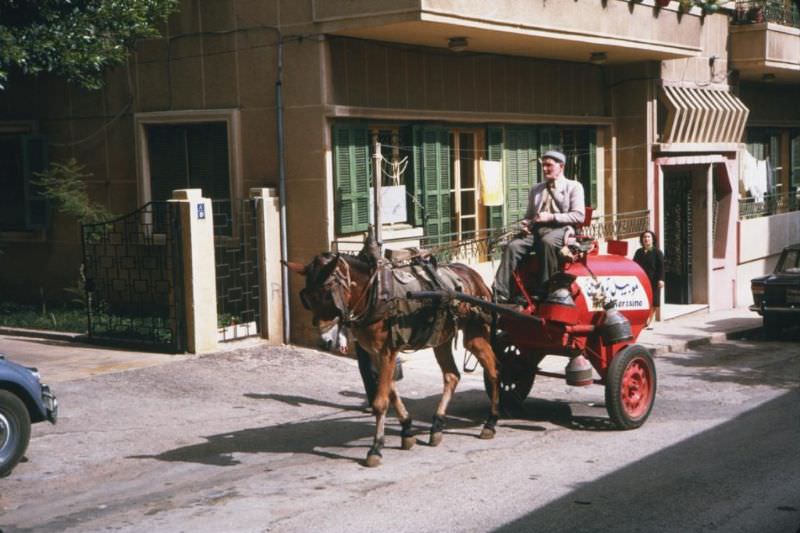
[338, 283]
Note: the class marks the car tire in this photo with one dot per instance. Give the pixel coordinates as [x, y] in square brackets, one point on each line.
[15, 431]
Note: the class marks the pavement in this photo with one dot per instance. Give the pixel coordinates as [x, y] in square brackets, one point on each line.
[65, 357]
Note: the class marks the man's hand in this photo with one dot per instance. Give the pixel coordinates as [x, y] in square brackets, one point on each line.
[525, 226]
[545, 217]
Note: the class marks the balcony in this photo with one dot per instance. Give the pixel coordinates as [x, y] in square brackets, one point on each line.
[765, 41]
[572, 31]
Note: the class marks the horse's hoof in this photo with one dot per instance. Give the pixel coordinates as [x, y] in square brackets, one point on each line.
[486, 434]
[436, 438]
[409, 442]
[373, 460]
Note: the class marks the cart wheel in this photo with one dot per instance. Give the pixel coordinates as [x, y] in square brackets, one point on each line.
[516, 377]
[630, 387]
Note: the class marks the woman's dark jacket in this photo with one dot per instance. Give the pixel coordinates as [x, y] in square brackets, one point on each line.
[652, 262]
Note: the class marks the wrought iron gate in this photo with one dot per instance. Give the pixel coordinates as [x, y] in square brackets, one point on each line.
[133, 272]
[236, 255]
[678, 237]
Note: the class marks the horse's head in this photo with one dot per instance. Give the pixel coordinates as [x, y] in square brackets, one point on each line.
[326, 294]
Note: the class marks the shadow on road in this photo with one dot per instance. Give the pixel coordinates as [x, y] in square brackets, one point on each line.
[351, 424]
[739, 476]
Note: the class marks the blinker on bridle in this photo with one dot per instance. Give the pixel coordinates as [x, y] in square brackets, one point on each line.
[333, 281]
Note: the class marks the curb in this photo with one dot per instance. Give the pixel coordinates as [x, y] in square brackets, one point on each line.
[44, 334]
[719, 336]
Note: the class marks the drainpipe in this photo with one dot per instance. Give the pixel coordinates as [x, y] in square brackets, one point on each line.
[282, 190]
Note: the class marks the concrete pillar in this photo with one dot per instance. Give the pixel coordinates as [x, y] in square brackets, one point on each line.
[269, 252]
[199, 269]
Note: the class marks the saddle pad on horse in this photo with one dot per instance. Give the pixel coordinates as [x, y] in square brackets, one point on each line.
[414, 324]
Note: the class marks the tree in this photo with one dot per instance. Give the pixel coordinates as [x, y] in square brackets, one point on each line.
[74, 39]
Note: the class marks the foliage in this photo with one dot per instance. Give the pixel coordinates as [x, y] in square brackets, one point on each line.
[65, 185]
[74, 39]
[33, 317]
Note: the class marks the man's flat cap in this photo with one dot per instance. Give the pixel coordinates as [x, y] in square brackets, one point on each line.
[556, 156]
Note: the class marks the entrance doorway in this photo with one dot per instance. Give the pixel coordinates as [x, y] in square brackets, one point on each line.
[677, 237]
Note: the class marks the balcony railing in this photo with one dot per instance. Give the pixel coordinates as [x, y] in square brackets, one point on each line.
[784, 12]
[486, 244]
[770, 204]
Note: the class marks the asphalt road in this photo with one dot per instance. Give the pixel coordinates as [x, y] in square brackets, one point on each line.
[273, 439]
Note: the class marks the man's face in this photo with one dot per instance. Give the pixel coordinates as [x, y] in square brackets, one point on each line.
[551, 168]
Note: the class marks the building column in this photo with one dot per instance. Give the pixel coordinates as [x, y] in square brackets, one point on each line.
[199, 269]
[269, 260]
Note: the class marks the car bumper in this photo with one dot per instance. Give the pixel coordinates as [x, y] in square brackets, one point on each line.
[761, 309]
[50, 404]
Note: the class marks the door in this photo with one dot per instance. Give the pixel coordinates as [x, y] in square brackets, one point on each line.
[677, 238]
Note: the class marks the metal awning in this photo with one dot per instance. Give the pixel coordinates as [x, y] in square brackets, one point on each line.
[702, 116]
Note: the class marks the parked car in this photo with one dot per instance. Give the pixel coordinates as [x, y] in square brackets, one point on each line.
[776, 296]
[24, 400]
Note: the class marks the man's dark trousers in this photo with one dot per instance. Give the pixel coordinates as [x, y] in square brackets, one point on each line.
[546, 241]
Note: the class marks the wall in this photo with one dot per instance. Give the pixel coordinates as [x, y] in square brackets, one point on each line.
[382, 75]
[760, 241]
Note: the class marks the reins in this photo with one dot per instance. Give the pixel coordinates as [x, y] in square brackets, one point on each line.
[349, 315]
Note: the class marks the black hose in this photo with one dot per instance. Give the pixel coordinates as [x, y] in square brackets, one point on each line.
[445, 296]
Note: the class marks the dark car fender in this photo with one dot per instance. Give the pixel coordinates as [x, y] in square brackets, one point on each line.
[22, 382]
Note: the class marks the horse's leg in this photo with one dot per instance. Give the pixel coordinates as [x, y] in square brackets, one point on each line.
[451, 376]
[380, 404]
[476, 340]
[406, 433]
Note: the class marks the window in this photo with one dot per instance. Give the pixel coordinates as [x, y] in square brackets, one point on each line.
[464, 201]
[520, 147]
[443, 168]
[21, 206]
[184, 156]
[764, 144]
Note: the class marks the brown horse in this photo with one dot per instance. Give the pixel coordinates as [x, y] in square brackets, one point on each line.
[343, 289]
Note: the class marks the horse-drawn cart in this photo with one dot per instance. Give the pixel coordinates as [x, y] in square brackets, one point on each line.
[592, 314]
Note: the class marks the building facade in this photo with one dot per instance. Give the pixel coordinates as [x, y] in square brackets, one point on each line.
[641, 97]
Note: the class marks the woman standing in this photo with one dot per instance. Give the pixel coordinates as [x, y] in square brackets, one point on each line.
[651, 259]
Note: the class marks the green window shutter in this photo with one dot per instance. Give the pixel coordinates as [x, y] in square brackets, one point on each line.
[494, 152]
[521, 169]
[432, 177]
[352, 168]
[34, 160]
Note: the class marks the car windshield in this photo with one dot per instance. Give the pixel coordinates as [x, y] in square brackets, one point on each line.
[789, 263]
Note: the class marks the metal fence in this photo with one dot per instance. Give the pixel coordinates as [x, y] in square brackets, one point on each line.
[769, 204]
[133, 272]
[778, 11]
[236, 259]
[619, 225]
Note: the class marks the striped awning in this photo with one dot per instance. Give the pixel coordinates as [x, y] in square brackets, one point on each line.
[702, 115]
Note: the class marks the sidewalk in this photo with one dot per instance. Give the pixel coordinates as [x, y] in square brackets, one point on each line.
[687, 331]
[63, 357]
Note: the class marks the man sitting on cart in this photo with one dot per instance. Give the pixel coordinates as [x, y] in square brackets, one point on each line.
[555, 206]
